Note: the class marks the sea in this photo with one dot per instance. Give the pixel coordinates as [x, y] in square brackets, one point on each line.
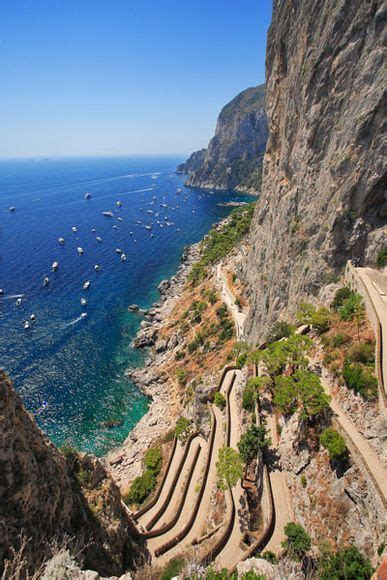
[69, 369]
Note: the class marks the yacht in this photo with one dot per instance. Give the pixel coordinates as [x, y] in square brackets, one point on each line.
[32, 317]
[61, 241]
[83, 302]
[46, 281]
[74, 229]
[86, 285]
[115, 228]
[26, 325]
[54, 266]
[131, 233]
[1, 291]
[80, 250]
[107, 213]
[178, 190]
[84, 315]
[12, 208]
[118, 251]
[18, 302]
[148, 227]
[87, 195]
[123, 257]
[99, 239]
[120, 219]
[119, 203]
[97, 268]
[93, 230]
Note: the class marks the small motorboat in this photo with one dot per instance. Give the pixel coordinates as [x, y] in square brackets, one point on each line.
[119, 203]
[18, 302]
[1, 292]
[12, 208]
[54, 266]
[131, 233]
[123, 258]
[115, 228]
[120, 219]
[148, 227]
[32, 317]
[26, 325]
[83, 302]
[152, 235]
[80, 250]
[178, 190]
[99, 239]
[84, 315]
[108, 213]
[149, 211]
[164, 205]
[97, 268]
[87, 195]
[138, 222]
[46, 281]
[74, 229]
[86, 285]
[61, 241]
[118, 251]
[93, 230]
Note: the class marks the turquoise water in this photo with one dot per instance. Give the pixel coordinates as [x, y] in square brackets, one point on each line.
[70, 371]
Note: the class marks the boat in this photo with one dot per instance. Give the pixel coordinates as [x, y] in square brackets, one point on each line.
[118, 251]
[75, 229]
[18, 302]
[87, 195]
[61, 241]
[32, 317]
[120, 219]
[119, 203]
[108, 213]
[99, 239]
[152, 235]
[83, 302]
[148, 227]
[80, 250]
[131, 233]
[84, 315]
[178, 190]
[26, 325]
[97, 268]
[93, 230]
[115, 228]
[138, 222]
[164, 205]
[12, 208]
[1, 291]
[54, 266]
[46, 281]
[149, 211]
[86, 285]
[123, 257]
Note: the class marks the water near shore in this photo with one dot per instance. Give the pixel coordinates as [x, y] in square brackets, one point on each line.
[71, 372]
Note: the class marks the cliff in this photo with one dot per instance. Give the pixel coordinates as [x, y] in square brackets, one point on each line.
[233, 159]
[323, 194]
[49, 499]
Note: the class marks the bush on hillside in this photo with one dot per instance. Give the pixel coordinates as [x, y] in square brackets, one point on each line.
[141, 488]
[183, 427]
[335, 444]
[297, 541]
[219, 400]
[346, 564]
[362, 352]
[253, 441]
[278, 330]
[381, 259]
[350, 306]
[340, 339]
[153, 460]
[342, 294]
[249, 397]
[360, 379]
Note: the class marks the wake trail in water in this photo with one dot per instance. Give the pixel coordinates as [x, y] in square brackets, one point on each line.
[12, 296]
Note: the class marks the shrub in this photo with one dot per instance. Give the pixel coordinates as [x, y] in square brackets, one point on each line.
[153, 460]
[340, 339]
[221, 312]
[347, 564]
[269, 556]
[253, 441]
[181, 376]
[141, 488]
[341, 295]
[304, 481]
[183, 427]
[173, 568]
[192, 347]
[251, 575]
[362, 352]
[297, 539]
[229, 468]
[179, 355]
[219, 400]
[381, 259]
[360, 379]
[69, 452]
[334, 443]
[249, 397]
[319, 319]
[241, 360]
[278, 330]
[349, 307]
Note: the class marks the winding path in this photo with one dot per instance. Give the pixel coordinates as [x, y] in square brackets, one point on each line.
[228, 297]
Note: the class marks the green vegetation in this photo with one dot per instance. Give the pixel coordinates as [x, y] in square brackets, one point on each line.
[181, 376]
[290, 352]
[318, 318]
[342, 294]
[381, 259]
[340, 339]
[70, 453]
[251, 575]
[173, 568]
[249, 396]
[278, 330]
[219, 400]
[361, 379]
[350, 306]
[335, 444]
[297, 541]
[229, 468]
[183, 427]
[269, 556]
[218, 243]
[141, 488]
[153, 460]
[303, 391]
[253, 441]
[362, 352]
[346, 564]
[304, 481]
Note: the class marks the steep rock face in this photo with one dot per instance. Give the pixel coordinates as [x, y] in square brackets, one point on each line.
[323, 197]
[46, 497]
[234, 156]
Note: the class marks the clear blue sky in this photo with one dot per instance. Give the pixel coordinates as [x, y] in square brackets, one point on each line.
[82, 77]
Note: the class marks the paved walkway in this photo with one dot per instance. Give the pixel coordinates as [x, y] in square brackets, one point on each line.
[238, 315]
[369, 456]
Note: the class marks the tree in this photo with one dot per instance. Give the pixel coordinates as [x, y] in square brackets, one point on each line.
[249, 397]
[253, 441]
[153, 460]
[360, 378]
[219, 400]
[285, 394]
[334, 443]
[340, 297]
[183, 427]
[318, 318]
[347, 310]
[229, 468]
[297, 540]
[310, 393]
[141, 487]
[346, 564]
[278, 330]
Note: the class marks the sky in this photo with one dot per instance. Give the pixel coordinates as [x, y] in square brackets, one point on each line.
[99, 77]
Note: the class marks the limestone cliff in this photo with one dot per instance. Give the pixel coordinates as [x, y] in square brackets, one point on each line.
[233, 159]
[48, 498]
[323, 196]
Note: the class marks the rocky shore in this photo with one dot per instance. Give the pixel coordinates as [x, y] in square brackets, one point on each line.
[124, 463]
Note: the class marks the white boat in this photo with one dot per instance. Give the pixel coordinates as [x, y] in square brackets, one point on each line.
[148, 227]
[108, 213]
[152, 235]
[84, 315]
[115, 228]
[123, 257]
[99, 239]
[149, 211]
[32, 317]
[18, 302]
[118, 251]
[12, 208]
[120, 219]
[1, 291]
[74, 229]
[86, 285]
[97, 268]
[80, 250]
[61, 241]
[178, 190]
[87, 195]
[26, 325]
[138, 222]
[46, 281]
[54, 266]
[83, 302]
[131, 233]
[119, 203]
[164, 205]
[93, 230]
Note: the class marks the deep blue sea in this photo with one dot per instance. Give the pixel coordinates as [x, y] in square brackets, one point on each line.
[70, 371]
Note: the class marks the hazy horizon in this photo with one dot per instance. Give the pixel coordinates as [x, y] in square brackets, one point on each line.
[92, 79]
